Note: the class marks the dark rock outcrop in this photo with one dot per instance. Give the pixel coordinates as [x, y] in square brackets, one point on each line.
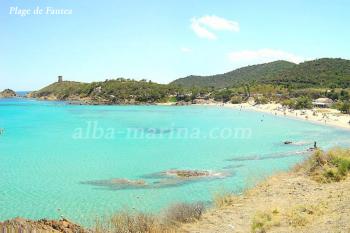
[7, 93]
[42, 226]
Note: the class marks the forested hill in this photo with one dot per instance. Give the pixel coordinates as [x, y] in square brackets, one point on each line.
[118, 91]
[238, 76]
[325, 72]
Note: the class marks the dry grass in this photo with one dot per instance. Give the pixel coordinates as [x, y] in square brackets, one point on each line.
[263, 221]
[296, 217]
[223, 199]
[329, 166]
[137, 222]
[183, 213]
[300, 216]
[126, 222]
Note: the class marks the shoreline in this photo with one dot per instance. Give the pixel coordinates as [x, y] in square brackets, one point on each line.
[324, 116]
[321, 116]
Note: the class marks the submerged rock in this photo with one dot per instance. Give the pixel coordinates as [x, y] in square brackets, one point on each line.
[118, 183]
[271, 156]
[170, 178]
[188, 173]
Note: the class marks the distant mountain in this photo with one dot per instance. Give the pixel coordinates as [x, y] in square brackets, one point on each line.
[326, 72]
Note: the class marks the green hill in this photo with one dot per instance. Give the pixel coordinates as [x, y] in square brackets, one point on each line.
[326, 72]
[118, 91]
[238, 76]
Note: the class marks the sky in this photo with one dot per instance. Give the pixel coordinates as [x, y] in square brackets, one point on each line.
[161, 40]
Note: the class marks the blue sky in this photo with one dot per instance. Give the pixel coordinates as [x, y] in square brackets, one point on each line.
[163, 40]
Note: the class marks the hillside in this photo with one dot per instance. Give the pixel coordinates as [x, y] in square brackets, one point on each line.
[118, 91]
[238, 76]
[326, 72]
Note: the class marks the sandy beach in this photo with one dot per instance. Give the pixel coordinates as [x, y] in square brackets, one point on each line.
[324, 116]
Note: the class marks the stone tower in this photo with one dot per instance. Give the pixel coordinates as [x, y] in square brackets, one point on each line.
[60, 79]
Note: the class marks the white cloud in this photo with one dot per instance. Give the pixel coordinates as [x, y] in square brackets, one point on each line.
[185, 50]
[202, 26]
[263, 55]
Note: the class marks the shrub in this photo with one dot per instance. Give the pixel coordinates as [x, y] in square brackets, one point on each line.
[236, 99]
[290, 103]
[344, 107]
[300, 216]
[303, 103]
[263, 221]
[125, 222]
[261, 100]
[223, 199]
[333, 165]
[183, 213]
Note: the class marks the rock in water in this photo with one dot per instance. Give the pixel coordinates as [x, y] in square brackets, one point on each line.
[7, 93]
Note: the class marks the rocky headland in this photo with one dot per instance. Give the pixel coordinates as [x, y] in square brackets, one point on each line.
[8, 93]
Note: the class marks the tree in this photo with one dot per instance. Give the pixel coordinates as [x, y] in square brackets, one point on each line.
[344, 95]
[236, 99]
[303, 102]
[345, 107]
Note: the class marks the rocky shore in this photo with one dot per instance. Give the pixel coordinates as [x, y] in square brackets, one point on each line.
[42, 226]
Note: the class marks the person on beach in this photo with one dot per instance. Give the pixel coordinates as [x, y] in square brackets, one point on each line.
[315, 145]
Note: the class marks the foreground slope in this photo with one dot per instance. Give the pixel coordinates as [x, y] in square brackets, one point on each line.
[312, 198]
[297, 203]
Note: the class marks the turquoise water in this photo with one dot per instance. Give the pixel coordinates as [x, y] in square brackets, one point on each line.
[53, 162]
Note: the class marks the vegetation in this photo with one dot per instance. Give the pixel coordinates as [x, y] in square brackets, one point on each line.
[117, 91]
[237, 77]
[329, 166]
[300, 215]
[223, 199]
[183, 213]
[302, 102]
[263, 221]
[136, 222]
[126, 222]
[324, 72]
[344, 107]
[7, 93]
[295, 86]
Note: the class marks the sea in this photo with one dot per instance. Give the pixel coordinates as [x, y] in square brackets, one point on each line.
[84, 162]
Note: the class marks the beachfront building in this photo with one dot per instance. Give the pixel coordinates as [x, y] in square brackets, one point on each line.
[322, 103]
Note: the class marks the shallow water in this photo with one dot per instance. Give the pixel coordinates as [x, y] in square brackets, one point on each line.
[76, 161]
